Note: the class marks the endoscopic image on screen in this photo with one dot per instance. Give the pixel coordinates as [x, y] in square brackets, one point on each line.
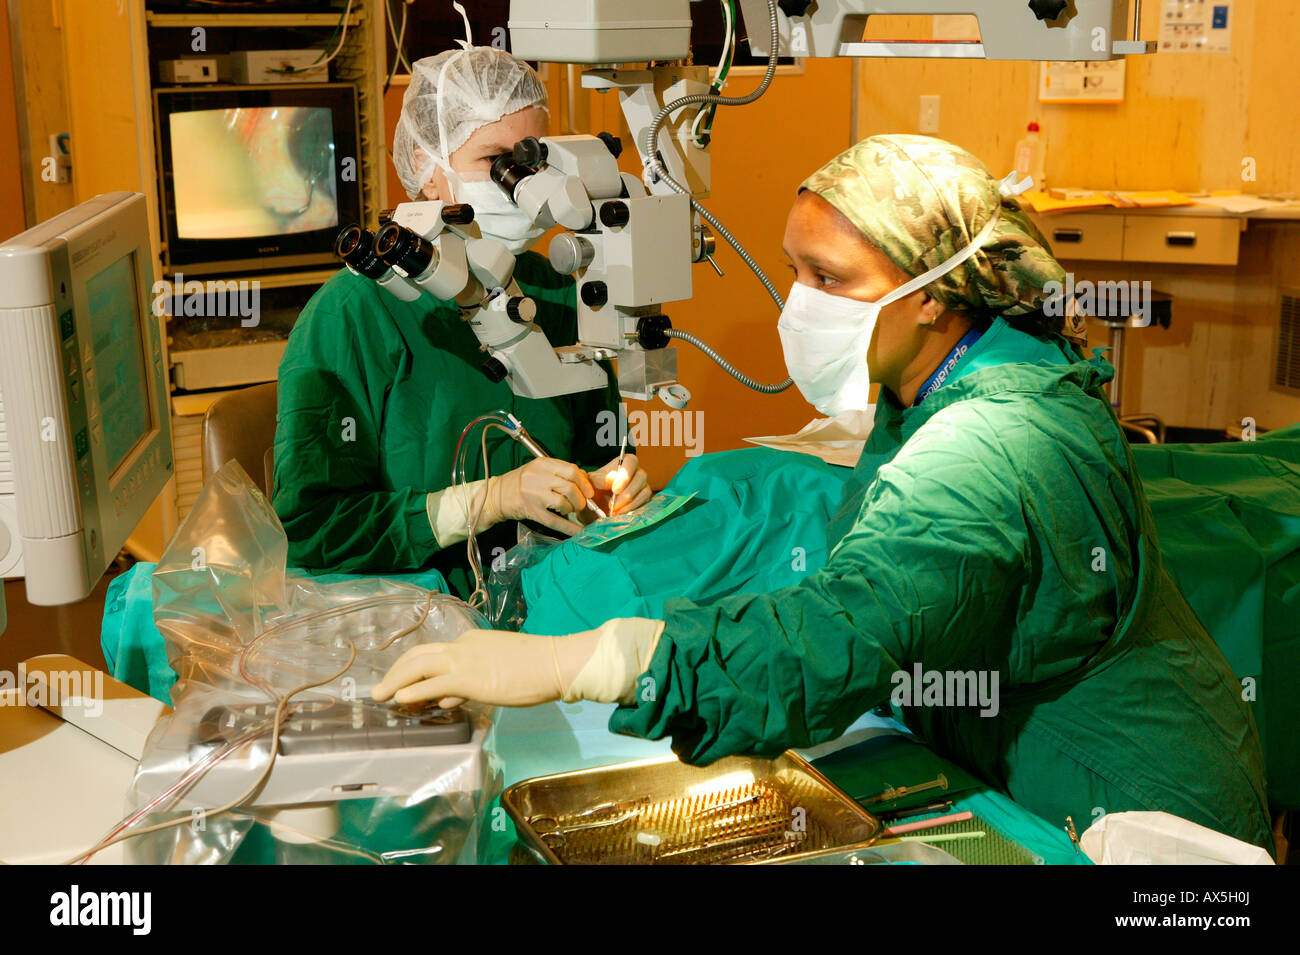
[259, 171]
[119, 359]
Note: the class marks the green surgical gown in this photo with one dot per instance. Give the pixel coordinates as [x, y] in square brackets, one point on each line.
[373, 395]
[996, 529]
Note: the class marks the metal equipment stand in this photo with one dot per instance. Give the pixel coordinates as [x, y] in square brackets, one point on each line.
[1149, 426]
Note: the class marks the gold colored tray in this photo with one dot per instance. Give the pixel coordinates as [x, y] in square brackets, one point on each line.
[664, 812]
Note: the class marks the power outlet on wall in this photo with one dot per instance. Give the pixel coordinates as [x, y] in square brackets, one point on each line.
[928, 122]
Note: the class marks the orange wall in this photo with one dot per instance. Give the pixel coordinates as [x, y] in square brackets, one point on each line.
[760, 154]
[11, 182]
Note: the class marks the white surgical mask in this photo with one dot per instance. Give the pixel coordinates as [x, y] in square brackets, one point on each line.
[825, 337]
[497, 217]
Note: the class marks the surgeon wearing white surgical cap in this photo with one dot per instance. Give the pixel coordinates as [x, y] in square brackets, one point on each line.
[374, 496]
[462, 110]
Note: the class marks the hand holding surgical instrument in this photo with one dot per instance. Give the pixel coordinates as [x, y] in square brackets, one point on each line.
[520, 434]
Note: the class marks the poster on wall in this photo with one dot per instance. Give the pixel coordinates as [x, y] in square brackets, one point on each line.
[1196, 26]
[1088, 81]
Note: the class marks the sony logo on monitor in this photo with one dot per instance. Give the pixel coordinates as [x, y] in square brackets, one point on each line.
[269, 248]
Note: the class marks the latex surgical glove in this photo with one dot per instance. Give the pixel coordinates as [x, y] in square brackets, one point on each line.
[622, 488]
[521, 669]
[541, 491]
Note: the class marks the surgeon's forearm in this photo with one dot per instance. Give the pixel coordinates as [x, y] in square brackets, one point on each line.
[451, 508]
[622, 652]
[757, 673]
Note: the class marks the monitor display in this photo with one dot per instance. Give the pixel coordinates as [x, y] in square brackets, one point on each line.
[83, 383]
[255, 171]
[259, 177]
[112, 301]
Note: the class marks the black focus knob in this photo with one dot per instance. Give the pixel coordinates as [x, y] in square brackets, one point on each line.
[594, 294]
[652, 331]
[530, 151]
[615, 215]
[794, 8]
[521, 309]
[612, 143]
[459, 214]
[494, 370]
[1048, 9]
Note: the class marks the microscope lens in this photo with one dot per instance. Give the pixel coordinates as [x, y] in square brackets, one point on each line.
[403, 249]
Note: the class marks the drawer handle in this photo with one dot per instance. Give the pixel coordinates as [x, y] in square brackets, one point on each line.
[1180, 238]
[1068, 235]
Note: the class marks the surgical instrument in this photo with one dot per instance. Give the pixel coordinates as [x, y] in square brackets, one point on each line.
[894, 815]
[934, 823]
[937, 837]
[890, 793]
[520, 434]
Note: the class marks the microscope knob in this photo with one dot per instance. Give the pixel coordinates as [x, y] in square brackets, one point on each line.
[794, 8]
[614, 144]
[494, 370]
[615, 214]
[521, 309]
[1048, 9]
[594, 294]
[459, 214]
[570, 253]
[652, 331]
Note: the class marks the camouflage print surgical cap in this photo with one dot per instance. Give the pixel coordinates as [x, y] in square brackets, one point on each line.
[920, 201]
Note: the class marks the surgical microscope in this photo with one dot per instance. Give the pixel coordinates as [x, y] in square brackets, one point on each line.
[630, 242]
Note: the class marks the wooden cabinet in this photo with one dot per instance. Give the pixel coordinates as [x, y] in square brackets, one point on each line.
[1185, 240]
[1077, 235]
[109, 52]
[1151, 236]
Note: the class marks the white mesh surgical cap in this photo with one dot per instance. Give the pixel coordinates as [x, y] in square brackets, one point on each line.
[451, 95]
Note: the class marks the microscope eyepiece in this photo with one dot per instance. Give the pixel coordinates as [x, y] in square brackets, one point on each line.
[530, 151]
[356, 247]
[508, 173]
[403, 249]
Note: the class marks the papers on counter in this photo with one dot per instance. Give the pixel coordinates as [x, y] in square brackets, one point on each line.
[1073, 200]
[1240, 204]
[837, 440]
[1067, 200]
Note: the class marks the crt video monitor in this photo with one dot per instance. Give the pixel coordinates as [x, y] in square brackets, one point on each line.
[87, 441]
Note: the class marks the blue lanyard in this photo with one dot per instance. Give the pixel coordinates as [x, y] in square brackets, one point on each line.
[940, 375]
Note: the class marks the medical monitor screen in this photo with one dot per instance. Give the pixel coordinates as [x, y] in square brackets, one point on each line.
[255, 171]
[257, 177]
[113, 300]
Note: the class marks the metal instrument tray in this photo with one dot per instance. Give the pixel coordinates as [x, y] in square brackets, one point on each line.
[664, 812]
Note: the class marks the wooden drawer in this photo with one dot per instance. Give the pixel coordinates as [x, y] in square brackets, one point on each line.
[1191, 240]
[1075, 235]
